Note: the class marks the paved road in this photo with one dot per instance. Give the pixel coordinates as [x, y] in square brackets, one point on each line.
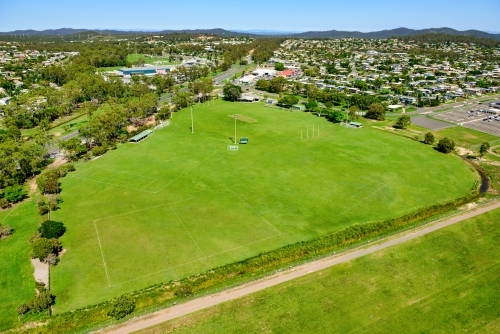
[238, 292]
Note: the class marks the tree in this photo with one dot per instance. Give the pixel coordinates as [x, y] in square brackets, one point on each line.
[403, 122]
[279, 66]
[121, 307]
[41, 248]
[445, 145]
[288, 101]
[335, 116]
[231, 92]
[376, 111]
[353, 112]
[48, 182]
[429, 138]
[72, 148]
[262, 84]
[51, 229]
[484, 148]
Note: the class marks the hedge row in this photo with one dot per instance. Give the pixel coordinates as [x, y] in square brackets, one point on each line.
[161, 294]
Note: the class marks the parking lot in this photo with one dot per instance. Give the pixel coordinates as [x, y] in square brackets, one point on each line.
[479, 117]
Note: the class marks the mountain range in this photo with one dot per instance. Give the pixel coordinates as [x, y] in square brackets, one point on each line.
[398, 32]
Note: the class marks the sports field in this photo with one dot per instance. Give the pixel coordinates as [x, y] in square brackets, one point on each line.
[444, 282]
[179, 203]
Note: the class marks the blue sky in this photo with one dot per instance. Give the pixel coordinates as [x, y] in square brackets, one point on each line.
[291, 15]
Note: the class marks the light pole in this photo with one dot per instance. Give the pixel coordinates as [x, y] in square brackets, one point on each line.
[192, 121]
[235, 118]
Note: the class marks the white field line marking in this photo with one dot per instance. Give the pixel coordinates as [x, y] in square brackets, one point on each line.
[102, 254]
[8, 215]
[147, 185]
[362, 199]
[189, 262]
[157, 206]
[175, 213]
[254, 211]
[115, 185]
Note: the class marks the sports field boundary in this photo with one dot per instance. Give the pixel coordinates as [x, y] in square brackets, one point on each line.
[201, 303]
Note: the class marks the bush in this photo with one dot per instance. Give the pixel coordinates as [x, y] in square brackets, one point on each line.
[14, 194]
[445, 145]
[429, 138]
[51, 229]
[43, 301]
[98, 150]
[4, 204]
[41, 248]
[184, 290]
[65, 169]
[5, 230]
[42, 207]
[121, 307]
[23, 309]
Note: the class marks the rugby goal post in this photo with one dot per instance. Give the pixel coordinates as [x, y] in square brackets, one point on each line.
[232, 147]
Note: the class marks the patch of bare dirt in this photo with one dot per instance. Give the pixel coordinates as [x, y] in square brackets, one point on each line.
[62, 252]
[32, 185]
[41, 272]
[57, 134]
[462, 151]
[58, 162]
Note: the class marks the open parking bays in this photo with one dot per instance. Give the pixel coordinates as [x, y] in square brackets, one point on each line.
[478, 117]
[429, 123]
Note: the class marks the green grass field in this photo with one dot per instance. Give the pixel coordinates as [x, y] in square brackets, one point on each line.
[180, 203]
[465, 137]
[445, 282]
[16, 272]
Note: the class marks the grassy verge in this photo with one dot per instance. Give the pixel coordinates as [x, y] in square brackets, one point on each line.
[16, 272]
[444, 282]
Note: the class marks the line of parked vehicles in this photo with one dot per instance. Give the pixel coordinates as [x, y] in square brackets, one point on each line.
[491, 114]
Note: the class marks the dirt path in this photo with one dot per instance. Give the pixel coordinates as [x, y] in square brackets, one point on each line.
[238, 292]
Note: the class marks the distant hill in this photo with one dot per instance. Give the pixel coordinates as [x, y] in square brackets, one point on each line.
[71, 31]
[398, 32]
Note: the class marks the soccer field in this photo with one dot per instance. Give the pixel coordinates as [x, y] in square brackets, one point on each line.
[179, 203]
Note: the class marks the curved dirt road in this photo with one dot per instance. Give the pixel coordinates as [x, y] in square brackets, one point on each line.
[211, 300]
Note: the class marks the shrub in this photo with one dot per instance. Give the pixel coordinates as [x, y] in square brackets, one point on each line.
[5, 230]
[42, 207]
[48, 182]
[4, 204]
[51, 229]
[98, 150]
[65, 169]
[23, 309]
[41, 248]
[184, 290]
[14, 194]
[429, 138]
[121, 307]
[43, 301]
[445, 145]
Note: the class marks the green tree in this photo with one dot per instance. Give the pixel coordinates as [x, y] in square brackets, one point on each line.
[41, 248]
[376, 111]
[279, 66]
[231, 92]
[429, 138]
[51, 229]
[288, 101]
[48, 182]
[403, 122]
[484, 148]
[73, 148]
[335, 116]
[445, 145]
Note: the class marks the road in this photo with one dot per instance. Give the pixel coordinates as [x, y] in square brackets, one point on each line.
[296, 272]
